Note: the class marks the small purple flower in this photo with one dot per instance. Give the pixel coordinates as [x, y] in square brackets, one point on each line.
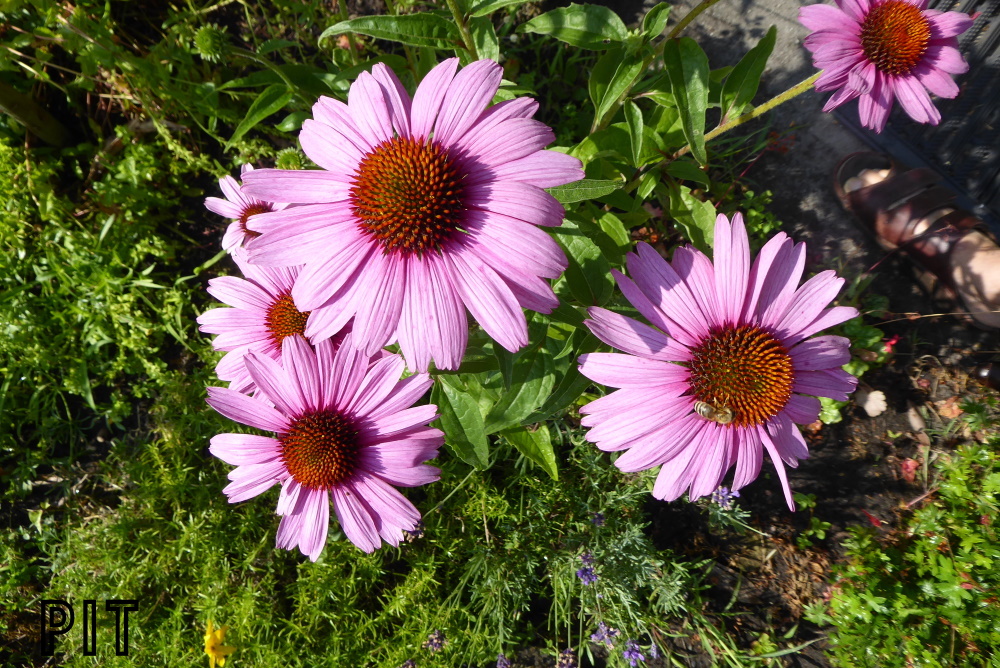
[597, 520]
[724, 497]
[654, 651]
[502, 661]
[587, 575]
[409, 663]
[567, 659]
[632, 654]
[587, 558]
[435, 641]
[605, 634]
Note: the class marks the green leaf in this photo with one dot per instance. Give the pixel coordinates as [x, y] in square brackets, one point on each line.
[485, 38]
[627, 67]
[587, 26]
[536, 446]
[741, 84]
[655, 21]
[633, 116]
[589, 274]
[422, 29]
[461, 421]
[618, 234]
[274, 45]
[268, 102]
[572, 384]
[695, 218]
[687, 67]
[531, 381]
[688, 171]
[489, 6]
[293, 121]
[585, 189]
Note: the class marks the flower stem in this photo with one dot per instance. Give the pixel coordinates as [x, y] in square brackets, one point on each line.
[795, 90]
[463, 27]
[690, 16]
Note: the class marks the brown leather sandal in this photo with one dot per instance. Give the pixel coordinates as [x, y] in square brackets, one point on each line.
[892, 210]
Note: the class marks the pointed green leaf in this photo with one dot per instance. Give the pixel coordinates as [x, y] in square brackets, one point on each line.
[489, 6]
[585, 189]
[688, 171]
[655, 21]
[591, 27]
[535, 445]
[461, 421]
[628, 67]
[532, 379]
[633, 116]
[687, 67]
[741, 84]
[485, 38]
[268, 102]
[589, 274]
[422, 29]
[695, 218]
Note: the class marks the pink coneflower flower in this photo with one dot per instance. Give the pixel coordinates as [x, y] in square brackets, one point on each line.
[726, 373]
[263, 314]
[239, 207]
[344, 433]
[424, 208]
[882, 50]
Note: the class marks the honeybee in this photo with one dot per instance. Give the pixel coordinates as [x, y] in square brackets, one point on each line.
[721, 414]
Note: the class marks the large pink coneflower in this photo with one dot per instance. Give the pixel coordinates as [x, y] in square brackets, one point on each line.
[727, 371]
[262, 316]
[885, 50]
[238, 206]
[345, 433]
[425, 207]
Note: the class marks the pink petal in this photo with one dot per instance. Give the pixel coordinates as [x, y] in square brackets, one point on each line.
[802, 410]
[822, 17]
[489, 300]
[655, 315]
[379, 381]
[430, 95]
[833, 383]
[243, 409]
[779, 467]
[732, 266]
[822, 352]
[250, 480]
[299, 362]
[382, 284]
[273, 381]
[396, 97]
[915, 101]
[369, 110]
[240, 449]
[634, 337]
[517, 200]
[469, 93]
[662, 445]
[750, 455]
[618, 370]
[432, 324]
[329, 148]
[355, 519]
[543, 169]
[618, 431]
[667, 291]
[947, 24]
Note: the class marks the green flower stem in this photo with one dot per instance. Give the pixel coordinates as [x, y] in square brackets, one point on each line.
[781, 98]
[690, 16]
[463, 26]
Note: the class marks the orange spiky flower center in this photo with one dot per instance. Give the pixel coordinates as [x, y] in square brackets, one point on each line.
[320, 449]
[744, 370]
[253, 210]
[284, 320]
[409, 195]
[894, 36]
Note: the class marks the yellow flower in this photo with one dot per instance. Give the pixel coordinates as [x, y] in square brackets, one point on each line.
[214, 647]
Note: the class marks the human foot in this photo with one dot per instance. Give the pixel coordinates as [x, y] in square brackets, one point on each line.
[909, 211]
